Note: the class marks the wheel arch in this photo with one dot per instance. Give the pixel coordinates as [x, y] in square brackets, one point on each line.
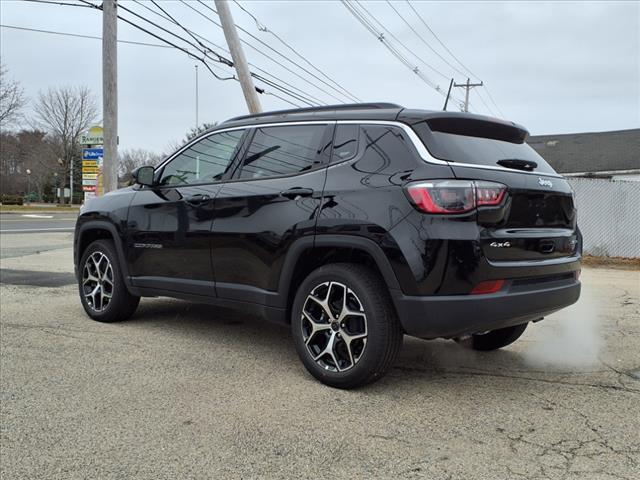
[93, 230]
[307, 254]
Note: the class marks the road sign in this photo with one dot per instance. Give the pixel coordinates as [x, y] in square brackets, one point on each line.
[88, 188]
[95, 154]
[89, 176]
[86, 182]
[89, 163]
[90, 170]
[94, 136]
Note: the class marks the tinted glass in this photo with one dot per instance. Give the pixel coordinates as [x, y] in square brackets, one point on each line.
[276, 151]
[345, 145]
[479, 150]
[204, 162]
[385, 155]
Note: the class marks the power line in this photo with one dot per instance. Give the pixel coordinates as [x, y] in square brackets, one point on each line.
[58, 3]
[494, 102]
[79, 35]
[454, 57]
[380, 36]
[190, 54]
[422, 38]
[467, 86]
[400, 42]
[487, 106]
[263, 28]
[316, 100]
[298, 96]
[440, 41]
[219, 59]
[278, 53]
[91, 37]
[170, 44]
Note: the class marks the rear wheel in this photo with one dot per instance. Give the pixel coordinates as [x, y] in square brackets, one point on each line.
[494, 339]
[344, 326]
[103, 293]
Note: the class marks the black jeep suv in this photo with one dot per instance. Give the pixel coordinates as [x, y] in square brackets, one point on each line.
[355, 224]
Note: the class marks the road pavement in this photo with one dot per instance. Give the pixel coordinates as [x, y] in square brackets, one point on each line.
[14, 223]
[194, 392]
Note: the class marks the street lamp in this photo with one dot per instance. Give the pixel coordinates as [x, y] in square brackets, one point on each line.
[28, 183]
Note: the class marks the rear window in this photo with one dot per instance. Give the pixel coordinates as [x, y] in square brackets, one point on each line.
[478, 142]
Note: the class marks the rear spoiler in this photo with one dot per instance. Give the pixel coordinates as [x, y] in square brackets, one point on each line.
[470, 125]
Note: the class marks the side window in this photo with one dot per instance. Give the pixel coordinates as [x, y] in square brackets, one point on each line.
[276, 151]
[203, 162]
[386, 152]
[345, 144]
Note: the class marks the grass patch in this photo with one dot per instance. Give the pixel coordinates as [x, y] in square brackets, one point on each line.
[621, 263]
[35, 208]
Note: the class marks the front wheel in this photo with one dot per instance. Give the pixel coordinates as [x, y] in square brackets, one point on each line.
[494, 339]
[103, 293]
[344, 326]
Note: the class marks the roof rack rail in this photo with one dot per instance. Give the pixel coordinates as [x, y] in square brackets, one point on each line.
[323, 108]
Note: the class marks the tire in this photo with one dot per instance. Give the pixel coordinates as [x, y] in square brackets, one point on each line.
[494, 339]
[360, 343]
[121, 305]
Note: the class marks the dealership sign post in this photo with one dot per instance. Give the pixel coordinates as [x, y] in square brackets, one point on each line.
[92, 162]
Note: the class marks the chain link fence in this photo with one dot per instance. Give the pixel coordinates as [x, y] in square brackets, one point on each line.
[608, 216]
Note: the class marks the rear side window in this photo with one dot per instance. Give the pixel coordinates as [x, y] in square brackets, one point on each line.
[276, 151]
[478, 142]
[345, 143]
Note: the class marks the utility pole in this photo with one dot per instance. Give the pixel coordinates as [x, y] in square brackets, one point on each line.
[110, 94]
[237, 54]
[467, 86]
[446, 100]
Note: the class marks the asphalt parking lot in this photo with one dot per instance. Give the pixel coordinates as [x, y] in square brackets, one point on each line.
[189, 391]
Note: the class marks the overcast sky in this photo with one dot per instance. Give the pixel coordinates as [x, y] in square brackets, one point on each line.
[555, 67]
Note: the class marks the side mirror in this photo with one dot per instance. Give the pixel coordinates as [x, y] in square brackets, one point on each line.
[144, 176]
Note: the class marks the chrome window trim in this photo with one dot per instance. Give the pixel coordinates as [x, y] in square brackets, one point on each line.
[427, 157]
[242, 127]
[413, 136]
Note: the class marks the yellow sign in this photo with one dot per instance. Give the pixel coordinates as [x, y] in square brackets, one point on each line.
[93, 137]
[89, 176]
[90, 170]
[89, 163]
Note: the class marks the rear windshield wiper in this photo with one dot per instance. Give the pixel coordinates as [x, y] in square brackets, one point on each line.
[526, 165]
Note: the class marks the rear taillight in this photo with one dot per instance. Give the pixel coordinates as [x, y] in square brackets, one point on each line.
[455, 196]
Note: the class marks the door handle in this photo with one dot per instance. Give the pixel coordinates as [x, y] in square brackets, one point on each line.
[197, 199]
[297, 192]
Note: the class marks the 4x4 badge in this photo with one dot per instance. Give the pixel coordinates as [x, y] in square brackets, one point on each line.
[543, 182]
[500, 244]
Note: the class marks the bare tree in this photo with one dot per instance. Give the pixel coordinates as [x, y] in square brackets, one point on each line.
[66, 112]
[27, 163]
[195, 131]
[133, 158]
[12, 99]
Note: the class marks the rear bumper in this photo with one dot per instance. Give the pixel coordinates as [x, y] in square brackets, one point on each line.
[450, 316]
